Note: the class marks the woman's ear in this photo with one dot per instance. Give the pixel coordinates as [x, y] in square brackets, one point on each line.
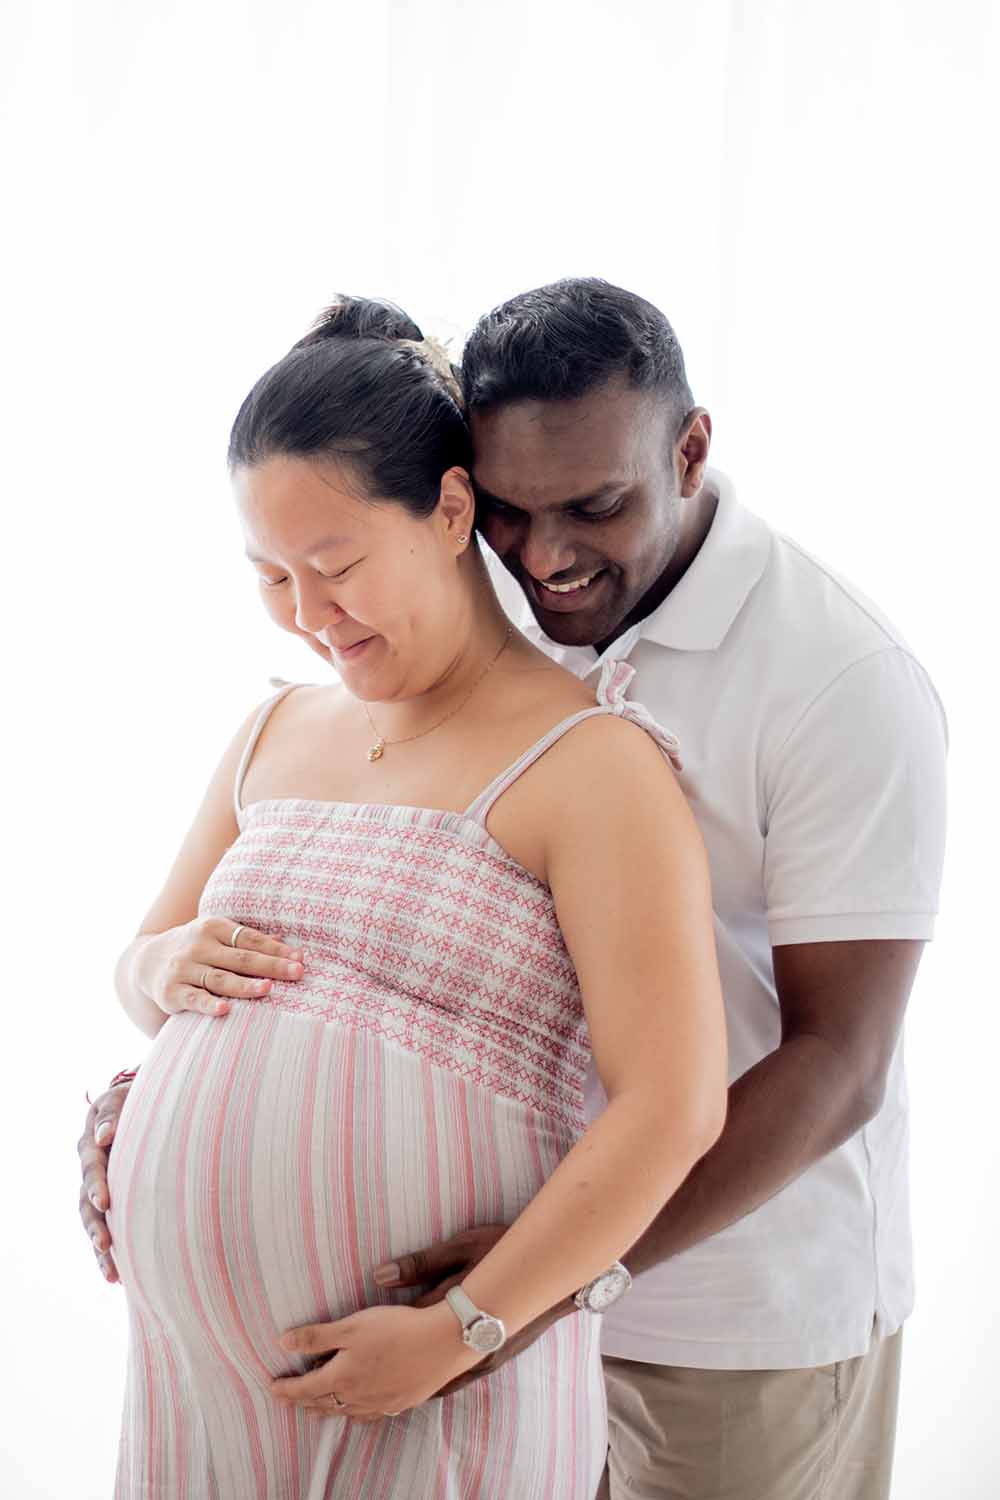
[456, 507]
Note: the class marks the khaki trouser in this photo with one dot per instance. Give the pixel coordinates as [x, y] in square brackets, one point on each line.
[821, 1434]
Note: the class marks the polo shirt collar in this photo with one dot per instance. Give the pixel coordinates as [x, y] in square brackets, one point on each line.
[699, 611]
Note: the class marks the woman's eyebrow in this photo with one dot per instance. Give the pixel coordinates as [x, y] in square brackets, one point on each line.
[324, 544]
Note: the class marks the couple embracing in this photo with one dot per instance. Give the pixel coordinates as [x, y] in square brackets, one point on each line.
[531, 990]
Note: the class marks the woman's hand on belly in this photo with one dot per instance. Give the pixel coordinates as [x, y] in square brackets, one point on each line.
[385, 1360]
[197, 967]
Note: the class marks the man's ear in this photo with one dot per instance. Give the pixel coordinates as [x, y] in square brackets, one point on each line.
[691, 450]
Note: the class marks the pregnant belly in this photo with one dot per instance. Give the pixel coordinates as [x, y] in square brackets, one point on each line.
[267, 1162]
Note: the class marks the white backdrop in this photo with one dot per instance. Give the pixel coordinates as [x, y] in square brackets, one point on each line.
[807, 189]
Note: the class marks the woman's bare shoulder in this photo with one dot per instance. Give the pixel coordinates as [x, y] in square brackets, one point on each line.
[609, 747]
[304, 706]
[538, 682]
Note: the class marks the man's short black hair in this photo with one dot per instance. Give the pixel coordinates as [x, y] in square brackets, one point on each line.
[561, 341]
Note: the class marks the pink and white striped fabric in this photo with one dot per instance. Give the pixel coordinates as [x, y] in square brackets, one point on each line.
[423, 1077]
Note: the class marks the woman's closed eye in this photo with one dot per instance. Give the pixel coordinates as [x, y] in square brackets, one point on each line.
[340, 571]
[273, 583]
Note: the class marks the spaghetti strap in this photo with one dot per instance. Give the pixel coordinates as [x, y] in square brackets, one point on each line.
[611, 689]
[265, 713]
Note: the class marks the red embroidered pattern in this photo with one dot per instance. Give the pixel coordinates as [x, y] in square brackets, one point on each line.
[417, 927]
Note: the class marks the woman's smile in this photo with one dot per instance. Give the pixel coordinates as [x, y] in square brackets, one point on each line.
[348, 652]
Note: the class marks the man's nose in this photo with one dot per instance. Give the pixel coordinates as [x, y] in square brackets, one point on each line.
[546, 550]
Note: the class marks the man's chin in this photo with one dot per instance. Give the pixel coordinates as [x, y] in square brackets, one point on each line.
[582, 628]
[575, 621]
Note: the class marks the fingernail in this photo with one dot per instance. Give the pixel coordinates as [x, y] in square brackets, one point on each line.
[387, 1274]
[103, 1131]
[262, 985]
[99, 1201]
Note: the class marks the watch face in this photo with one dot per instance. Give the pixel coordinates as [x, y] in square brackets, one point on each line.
[606, 1290]
[485, 1334]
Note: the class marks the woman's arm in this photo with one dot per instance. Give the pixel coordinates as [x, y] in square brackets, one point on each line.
[628, 872]
[629, 876]
[160, 971]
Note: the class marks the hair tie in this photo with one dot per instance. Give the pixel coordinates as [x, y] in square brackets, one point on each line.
[434, 353]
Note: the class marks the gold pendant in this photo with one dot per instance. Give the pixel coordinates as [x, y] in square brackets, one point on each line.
[376, 751]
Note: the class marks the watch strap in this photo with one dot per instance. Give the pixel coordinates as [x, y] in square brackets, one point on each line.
[462, 1306]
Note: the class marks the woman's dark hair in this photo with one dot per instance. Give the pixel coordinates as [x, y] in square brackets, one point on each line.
[563, 340]
[356, 389]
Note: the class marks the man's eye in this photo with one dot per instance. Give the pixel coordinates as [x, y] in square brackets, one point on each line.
[600, 515]
[498, 508]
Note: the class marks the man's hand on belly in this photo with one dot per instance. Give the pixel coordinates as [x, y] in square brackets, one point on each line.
[93, 1148]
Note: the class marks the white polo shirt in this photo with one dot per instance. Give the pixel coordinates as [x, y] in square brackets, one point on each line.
[814, 748]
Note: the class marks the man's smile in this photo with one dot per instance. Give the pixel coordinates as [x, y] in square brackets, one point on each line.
[568, 588]
[574, 593]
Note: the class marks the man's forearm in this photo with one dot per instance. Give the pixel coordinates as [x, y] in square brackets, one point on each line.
[792, 1108]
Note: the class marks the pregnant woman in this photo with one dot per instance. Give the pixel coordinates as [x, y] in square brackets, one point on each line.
[412, 901]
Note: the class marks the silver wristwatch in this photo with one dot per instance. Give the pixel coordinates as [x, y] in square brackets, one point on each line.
[481, 1332]
[604, 1291]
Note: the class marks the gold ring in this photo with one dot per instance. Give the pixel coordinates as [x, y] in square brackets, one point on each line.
[336, 1400]
[235, 934]
[204, 980]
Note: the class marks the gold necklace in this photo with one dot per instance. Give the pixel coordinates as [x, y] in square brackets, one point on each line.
[377, 750]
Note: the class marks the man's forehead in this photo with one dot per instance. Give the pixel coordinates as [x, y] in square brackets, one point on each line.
[552, 450]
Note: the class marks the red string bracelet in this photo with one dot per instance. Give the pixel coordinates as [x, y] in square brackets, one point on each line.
[127, 1075]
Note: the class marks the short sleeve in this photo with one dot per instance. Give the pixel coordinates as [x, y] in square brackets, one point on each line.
[855, 809]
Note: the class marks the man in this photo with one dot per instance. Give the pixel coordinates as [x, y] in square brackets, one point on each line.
[757, 1353]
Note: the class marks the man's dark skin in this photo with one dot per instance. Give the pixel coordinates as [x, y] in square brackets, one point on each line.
[613, 483]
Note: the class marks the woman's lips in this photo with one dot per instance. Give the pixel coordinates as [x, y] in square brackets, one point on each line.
[562, 603]
[348, 653]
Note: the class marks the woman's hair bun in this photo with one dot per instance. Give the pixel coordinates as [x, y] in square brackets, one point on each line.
[366, 388]
[361, 318]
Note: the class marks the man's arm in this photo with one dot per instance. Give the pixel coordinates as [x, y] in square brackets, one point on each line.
[854, 844]
[855, 809]
[842, 1007]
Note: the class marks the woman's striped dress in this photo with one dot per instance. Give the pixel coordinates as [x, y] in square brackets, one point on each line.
[424, 1076]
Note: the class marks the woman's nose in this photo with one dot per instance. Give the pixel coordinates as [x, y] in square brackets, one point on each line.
[314, 611]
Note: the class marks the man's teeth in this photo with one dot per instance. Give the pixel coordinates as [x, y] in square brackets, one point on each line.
[568, 588]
